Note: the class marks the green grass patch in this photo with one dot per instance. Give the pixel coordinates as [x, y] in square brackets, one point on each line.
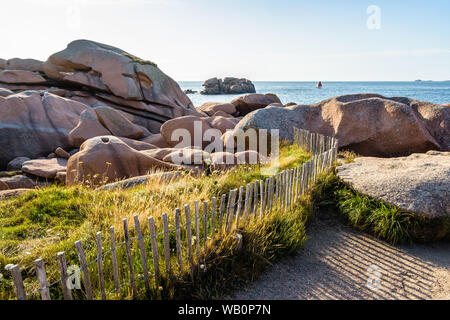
[139, 60]
[4, 174]
[376, 217]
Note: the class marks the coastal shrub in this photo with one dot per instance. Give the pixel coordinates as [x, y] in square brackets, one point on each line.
[348, 155]
[374, 216]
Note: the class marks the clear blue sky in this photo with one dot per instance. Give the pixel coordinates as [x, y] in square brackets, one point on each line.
[257, 39]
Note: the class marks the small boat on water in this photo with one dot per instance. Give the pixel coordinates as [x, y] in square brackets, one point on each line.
[319, 85]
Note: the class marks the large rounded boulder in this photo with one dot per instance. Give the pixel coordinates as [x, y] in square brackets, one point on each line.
[185, 131]
[88, 127]
[251, 102]
[109, 69]
[34, 124]
[121, 80]
[210, 108]
[107, 159]
[368, 124]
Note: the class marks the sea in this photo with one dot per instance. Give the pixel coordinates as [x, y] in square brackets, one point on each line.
[308, 93]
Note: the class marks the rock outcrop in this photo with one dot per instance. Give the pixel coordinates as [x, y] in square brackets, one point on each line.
[419, 183]
[108, 158]
[13, 193]
[16, 182]
[118, 124]
[22, 64]
[21, 77]
[16, 163]
[5, 92]
[173, 130]
[88, 127]
[34, 124]
[124, 81]
[133, 98]
[156, 140]
[368, 124]
[228, 85]
[210, 108]
[158, 177]
[221, 123]
[251, 102]
[45, 168]
[187, 156]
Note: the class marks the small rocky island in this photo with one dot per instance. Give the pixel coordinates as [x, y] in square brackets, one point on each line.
[228, 85]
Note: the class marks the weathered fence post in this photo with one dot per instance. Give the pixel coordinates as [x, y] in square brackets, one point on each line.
[197, 230]
[187, 211]
[18, 282]
[213, 217]
[84, 269]
[261, 192]
[155, 254]
[239, 207]
[178, 238]
[129, 257]
[42, 279]
[222, 211]
[166, 244]
[247, 197]
[277, 190]
[67, 294]
[114, 259]
[205, 224]
[231, 207]
[101, 278]
[140, 238]
[255, 197]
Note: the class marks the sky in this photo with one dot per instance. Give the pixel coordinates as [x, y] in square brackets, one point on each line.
[262, 40]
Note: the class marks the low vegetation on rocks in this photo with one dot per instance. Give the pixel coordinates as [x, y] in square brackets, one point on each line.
[376, 217]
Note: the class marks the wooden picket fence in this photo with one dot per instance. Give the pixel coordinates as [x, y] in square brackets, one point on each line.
[276, 192]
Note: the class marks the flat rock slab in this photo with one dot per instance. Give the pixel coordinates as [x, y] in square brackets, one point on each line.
[419, 183]
[136, 181]
[45, 168]
[7, 194]
[16, 182]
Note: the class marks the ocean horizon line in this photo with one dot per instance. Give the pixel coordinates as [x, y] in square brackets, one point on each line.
[331, 81]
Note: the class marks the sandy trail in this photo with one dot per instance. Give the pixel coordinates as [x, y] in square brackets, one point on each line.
[337, 262]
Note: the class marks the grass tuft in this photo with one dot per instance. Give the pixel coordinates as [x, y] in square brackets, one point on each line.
[383, 220]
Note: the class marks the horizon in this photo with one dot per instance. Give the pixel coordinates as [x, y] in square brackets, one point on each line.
[259, 40]
[331, 81]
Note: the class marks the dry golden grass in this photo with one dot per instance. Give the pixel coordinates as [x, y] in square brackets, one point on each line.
[43, 222]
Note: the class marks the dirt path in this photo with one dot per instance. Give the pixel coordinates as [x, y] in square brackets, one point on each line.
[337, 262]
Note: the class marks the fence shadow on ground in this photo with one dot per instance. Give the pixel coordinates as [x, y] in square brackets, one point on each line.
[337, 262]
